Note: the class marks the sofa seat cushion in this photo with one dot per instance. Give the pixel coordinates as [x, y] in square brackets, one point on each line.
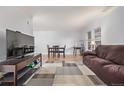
[95, 63]
[99, 61]
[113, 73]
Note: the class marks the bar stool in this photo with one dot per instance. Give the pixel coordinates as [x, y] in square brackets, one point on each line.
[75, 49]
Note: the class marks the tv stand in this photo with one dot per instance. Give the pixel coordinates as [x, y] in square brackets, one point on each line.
[17, 68]
[20, 57]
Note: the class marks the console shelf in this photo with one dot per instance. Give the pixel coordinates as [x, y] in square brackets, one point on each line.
[16, 71]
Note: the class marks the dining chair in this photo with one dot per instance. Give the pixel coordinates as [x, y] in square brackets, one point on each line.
[62, 50]
[55, 50]
[50, 51]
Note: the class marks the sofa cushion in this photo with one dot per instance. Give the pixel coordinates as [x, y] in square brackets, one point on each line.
[116, 54]
[102, 51]
[113, 73]
[95, 63]
[100, 61]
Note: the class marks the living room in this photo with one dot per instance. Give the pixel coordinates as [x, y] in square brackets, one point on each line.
[76, 30]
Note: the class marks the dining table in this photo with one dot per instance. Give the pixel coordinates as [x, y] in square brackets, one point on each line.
[56, 51]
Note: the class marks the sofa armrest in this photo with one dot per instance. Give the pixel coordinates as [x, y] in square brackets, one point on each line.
[89, 53]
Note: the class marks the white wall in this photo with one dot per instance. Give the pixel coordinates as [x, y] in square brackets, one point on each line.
[14, 19]
[42, 38]
[113, 27]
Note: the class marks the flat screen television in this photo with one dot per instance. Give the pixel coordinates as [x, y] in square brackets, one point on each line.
[18, 44]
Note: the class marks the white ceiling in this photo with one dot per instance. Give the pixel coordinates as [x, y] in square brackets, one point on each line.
[63, 17]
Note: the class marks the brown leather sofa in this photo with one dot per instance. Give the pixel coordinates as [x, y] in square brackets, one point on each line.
[107, 62]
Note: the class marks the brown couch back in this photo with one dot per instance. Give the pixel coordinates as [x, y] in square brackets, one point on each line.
[114, 53]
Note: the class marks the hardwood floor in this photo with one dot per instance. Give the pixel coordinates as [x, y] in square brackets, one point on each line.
[67, 58]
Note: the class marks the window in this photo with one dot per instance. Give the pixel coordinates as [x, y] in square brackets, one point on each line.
[98, 36]
[89, 35]
[89, 40]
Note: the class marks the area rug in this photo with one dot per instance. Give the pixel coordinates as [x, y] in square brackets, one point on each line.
[64, 74]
